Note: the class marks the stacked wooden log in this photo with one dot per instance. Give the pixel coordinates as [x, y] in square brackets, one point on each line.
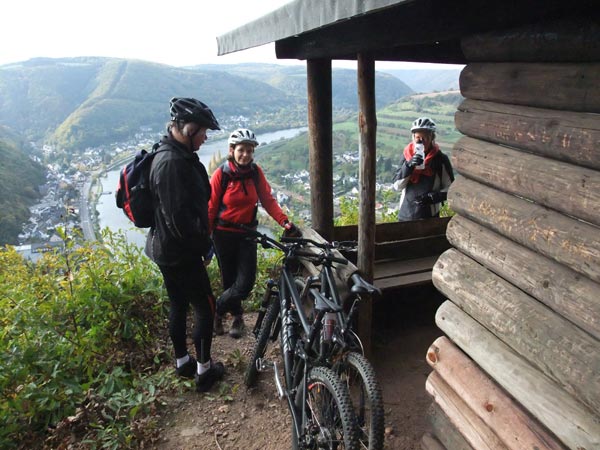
[520, 367]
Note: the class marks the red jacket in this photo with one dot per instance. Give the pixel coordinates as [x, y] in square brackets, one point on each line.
[238, 202]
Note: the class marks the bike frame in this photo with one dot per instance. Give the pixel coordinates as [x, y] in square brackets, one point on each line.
[306, 341]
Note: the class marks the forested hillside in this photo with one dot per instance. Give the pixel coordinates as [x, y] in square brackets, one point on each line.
[20, 178]
[83, 102]
[292, 79]
[428, 80]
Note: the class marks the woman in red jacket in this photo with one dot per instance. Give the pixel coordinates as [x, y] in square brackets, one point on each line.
[237, 187]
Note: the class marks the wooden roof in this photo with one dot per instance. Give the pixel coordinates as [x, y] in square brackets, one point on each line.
[390, 30]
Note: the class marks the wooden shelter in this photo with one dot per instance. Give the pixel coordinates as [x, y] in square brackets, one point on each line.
[519, 367]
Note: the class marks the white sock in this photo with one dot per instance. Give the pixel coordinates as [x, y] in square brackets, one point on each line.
[183, 360]
[203, 367]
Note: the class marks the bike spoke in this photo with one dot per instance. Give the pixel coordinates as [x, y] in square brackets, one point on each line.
[323, 410]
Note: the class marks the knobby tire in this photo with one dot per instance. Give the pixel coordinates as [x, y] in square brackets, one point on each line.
[262, 339]
[329, 421]
[357, 373]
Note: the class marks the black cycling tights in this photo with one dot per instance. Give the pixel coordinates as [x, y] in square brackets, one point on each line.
[189, 285]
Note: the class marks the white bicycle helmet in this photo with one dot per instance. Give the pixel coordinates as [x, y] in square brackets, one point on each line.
[241, 136]
[423, 123]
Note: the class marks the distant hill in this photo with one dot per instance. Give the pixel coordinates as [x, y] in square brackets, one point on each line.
[83, 102]
[292, 80]
[20, 178]
[428, 80]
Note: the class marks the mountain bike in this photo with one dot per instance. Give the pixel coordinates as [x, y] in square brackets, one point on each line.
[333, 343]
[319, 402]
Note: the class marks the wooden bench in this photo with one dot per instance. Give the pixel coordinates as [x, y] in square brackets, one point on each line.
[405, 252]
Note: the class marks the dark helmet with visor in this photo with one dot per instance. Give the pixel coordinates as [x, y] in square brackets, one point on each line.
[192, 110]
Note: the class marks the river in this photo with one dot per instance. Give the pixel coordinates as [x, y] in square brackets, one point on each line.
[109, 216]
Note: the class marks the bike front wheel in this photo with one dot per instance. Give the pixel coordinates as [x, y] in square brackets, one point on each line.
[266, 331]
[326, 414]
[357, 373]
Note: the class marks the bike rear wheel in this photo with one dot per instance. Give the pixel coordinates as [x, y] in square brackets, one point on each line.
[328, 421]
[357, 373]
[266, 331]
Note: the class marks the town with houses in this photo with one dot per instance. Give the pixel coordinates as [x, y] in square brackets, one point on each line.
[68, 200]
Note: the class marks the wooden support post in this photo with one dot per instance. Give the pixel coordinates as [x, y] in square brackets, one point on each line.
[318, 73]
[367, 122]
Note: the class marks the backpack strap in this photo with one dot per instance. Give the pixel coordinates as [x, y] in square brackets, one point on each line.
[226, 176]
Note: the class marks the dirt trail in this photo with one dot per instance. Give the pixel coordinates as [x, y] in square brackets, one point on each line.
[232, 417]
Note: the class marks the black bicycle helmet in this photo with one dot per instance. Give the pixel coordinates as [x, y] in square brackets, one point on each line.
[192, 110]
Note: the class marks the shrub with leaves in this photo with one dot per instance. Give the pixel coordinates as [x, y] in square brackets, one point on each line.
[80, 343]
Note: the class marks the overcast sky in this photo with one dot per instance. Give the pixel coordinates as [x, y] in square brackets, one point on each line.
[175, 32]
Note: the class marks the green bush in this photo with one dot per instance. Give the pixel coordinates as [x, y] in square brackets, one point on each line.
[78, 344]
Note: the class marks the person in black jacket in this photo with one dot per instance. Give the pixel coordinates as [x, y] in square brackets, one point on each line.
[424, 176]
[179, 240]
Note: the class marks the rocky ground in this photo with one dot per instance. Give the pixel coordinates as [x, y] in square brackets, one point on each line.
[232, 417]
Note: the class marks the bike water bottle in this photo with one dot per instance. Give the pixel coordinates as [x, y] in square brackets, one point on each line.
[328, 326]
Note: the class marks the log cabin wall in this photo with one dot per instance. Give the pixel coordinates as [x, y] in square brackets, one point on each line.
[520, 366]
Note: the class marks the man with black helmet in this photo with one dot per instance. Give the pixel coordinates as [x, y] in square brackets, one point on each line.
[179, 240]
[425, 174]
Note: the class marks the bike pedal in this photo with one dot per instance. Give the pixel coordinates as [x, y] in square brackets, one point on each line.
[264, 365]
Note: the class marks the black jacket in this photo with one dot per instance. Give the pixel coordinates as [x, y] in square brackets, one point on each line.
[181, 191]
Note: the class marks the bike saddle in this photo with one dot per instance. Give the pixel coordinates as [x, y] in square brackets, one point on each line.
[361, 286]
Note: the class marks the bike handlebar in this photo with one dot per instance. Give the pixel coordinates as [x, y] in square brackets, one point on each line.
[296, 242]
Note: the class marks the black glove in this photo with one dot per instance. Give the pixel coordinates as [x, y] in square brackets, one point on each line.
[407, 168]
[416, 160]
[291, 230]
[430, 198]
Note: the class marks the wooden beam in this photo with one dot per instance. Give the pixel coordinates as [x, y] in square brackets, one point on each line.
[510, 422]
[568, 241]
[429, 442]
[574, 424]
[367, 123]
[444, 430]
[563, 290]
[318, 75]
[563, 187]
[397, 231]
[572, 87]
[412, 248]
[563, 135]
[475, 431]
[565, 39]
[561, 350]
